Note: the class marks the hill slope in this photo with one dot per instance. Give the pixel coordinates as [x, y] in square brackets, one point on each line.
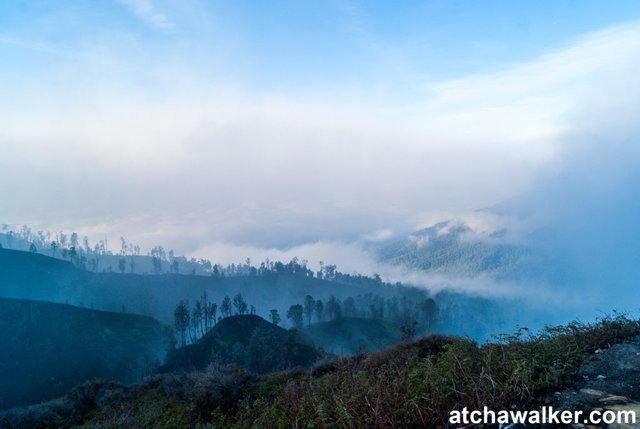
[25, 275]
[48, 348]
[350, 335]
[412, 385]
[246, 341]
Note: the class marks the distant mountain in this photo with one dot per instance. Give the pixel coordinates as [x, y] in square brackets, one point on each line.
[47, 348]
[350, 335]
[452, 247]
[25, 275]
[246, 341]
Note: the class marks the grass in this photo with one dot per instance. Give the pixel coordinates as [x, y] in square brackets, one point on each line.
[418, 384]
[414, 384]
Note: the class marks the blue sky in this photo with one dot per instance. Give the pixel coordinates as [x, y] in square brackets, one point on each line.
[390, 47]
[220, 128]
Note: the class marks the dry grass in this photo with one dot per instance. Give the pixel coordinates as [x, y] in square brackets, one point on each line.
[414, 384]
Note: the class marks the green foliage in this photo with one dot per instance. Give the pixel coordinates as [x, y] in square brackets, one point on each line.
[418, 384]
[414, 384]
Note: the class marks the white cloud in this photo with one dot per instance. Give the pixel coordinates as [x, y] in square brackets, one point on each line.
[148, 13]
[202, 163]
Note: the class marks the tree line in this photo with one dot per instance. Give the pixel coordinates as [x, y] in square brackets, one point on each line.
[192, 323]
[369, 306]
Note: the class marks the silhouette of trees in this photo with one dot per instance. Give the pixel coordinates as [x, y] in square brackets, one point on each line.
[197, 322]
[402, 310]
[319, 310]
[240, 304]
[157, 256]
[274, 316]
[181, 321]
[429, 313]
[309, 307]
[333, 310]
[295, 314]
[349, 307]
[225, 307]
[213, 309]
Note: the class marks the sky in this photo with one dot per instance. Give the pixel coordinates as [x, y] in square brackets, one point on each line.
[226, 129]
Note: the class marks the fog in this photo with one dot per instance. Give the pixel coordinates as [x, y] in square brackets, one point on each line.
[214, 168]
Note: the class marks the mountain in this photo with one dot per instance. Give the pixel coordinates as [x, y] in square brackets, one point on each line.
[246, 341]
[453, 247]
[48, 348]
[25, 275]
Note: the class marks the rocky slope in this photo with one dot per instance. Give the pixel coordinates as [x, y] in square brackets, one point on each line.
[609, 380]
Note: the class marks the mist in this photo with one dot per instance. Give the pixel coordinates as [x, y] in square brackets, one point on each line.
[218, 168]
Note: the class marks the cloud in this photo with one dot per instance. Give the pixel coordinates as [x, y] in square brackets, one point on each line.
[147, 12]
[195, 162]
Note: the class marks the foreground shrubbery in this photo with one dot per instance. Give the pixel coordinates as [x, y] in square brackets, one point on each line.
[418, 384]
[412, 385]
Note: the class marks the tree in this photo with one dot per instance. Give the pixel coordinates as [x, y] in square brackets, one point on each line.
[225, 307]
[157, 264]
[295, 314]
[62, 239]
[319, 310]
[157, 256]
[349, 307]
[309, 306]
[33, 248]
[213, 309]
[206, 316]
[240, 304]
[122, 265]
[181, 320]
[274, 316]
[54, 247]
[196, 319]
[429, 312]
[333, 310]
[74, 240]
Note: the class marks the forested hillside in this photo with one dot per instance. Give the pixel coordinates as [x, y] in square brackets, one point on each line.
[47, 348]
[246, 341]
[29, 275]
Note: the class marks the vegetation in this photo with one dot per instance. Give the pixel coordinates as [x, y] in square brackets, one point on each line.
[349, 336]
[49, 348]
[415, 384]
[194, 323]
[38, 277]
[246, 341]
